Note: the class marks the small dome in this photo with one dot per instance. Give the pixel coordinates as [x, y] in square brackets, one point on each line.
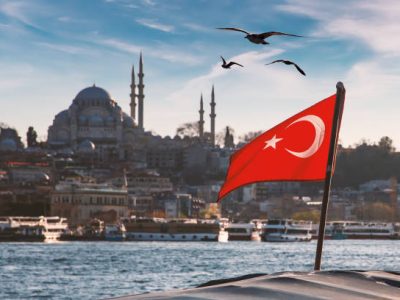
[128, 121]
[96, 120]
[92, 92]
[8, 145]
[62, 117]
[86, 146]
[41, 176]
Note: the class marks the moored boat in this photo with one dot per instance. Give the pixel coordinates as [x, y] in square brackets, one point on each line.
[158, 229]
[364, 230]
[287, 230]
[243, 232]
[32, 229]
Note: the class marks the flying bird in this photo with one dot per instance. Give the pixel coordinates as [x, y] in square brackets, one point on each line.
[228, 65]
[288, 62]
[259, 38]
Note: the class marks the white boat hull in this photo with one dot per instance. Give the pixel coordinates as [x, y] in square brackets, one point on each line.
[181, 237]
[287, 238]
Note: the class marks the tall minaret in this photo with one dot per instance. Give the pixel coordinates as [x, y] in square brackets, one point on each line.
[201, 121]
[212, 116]
[133, 94]
[140, 92]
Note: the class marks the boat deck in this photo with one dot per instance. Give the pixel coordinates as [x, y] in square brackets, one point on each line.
[357, 285]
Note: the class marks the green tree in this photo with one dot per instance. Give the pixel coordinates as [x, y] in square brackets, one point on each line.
[307, 215]
[377, 211]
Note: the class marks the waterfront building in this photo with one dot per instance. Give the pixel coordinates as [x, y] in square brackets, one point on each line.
[80, 202]
[148, 183]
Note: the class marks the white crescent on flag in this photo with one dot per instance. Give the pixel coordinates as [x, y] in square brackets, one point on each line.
[319, 127]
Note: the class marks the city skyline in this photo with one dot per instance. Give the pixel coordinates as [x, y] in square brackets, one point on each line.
[52, 51]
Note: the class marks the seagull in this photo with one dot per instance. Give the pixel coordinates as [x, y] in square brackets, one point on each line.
[288, 62]
[229, 65]
[259, 38]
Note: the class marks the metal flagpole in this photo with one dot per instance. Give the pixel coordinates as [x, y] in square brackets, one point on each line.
[340, 94]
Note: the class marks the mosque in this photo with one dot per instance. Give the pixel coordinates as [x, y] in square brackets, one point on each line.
[95, 123]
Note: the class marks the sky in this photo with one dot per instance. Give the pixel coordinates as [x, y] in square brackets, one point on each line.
[50, 50]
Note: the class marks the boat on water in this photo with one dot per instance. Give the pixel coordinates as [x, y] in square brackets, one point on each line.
[243, 232]
[115, 232]
[159, 229]
[363, 230]
[287, 230]
[32, 229]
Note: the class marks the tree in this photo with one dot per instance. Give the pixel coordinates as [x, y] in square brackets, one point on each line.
[309, 215]
[365, 162]
[31, 137]
[189, 129]
[377, 211]
[247, 137]
[386, 144]
[220, 136]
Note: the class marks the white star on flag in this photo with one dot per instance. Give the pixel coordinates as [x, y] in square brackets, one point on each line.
[272, 142]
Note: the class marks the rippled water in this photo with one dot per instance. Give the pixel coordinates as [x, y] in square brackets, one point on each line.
[98, 270]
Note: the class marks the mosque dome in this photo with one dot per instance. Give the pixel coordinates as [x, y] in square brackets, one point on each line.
[86, 146]
[41, 176]
[128, 121]
[96, 120]
[109, 120]
[82, 120]
[92, 92]
[8, 144]
[62, 117]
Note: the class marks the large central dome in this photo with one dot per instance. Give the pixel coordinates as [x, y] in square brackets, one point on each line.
[93, 92]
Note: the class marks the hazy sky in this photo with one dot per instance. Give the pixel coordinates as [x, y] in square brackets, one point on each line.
[50, 50]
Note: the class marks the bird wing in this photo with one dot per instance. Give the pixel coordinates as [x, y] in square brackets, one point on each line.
[299, 69]
[234, 29]
[271, 33]
[275, 61]
[233, 63]
[288, 62]
[223, 60]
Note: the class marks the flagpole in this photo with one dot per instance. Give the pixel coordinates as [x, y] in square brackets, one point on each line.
[340, 94]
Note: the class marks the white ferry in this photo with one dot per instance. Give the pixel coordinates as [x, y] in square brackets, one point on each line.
[46, 229]
[158, 229]
[287, 231]
[243, 232]
[363, 230]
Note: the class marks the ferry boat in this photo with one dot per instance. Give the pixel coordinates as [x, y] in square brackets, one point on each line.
[35, 229]
[363, 230]
[158, 229]
[287, 230]
[243, 232]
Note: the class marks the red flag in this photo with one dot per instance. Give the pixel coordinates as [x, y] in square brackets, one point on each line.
[296, 149]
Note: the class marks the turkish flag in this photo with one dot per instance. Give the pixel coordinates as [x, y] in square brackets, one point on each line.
[295, 150]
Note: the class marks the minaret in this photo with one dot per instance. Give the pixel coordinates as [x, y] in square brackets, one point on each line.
[201, 121]
[133, 94]
[140, 92]
[212, 116]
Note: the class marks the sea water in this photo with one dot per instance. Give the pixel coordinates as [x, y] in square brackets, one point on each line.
[99, 270]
